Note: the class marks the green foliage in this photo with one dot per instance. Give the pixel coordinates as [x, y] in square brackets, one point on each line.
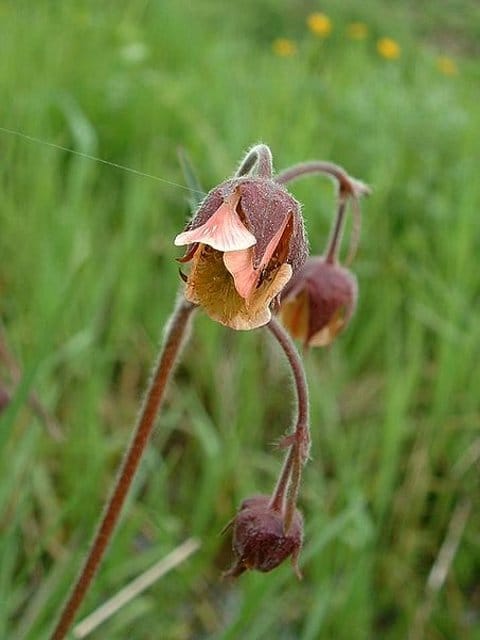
[88, 278]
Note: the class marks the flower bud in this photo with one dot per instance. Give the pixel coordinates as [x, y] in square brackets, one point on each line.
[318, 302]
[244, 243]
[259, 538]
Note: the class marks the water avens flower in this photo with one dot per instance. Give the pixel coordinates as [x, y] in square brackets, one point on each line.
[320, 302]
[244, 243]
[320, 299]
[260, 540]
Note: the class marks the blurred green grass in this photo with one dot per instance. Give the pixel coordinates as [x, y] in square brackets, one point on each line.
[87, 281]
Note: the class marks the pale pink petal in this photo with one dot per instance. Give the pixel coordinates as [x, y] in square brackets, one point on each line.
[240, 265]
[223, 231]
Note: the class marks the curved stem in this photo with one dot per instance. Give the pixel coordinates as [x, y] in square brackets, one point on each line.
[260, 157]
[349, 188]
[333, 245]
[302, 431]
[295, 481]
[347, 184]
[277, 501]
[299, 440]
[174, 338]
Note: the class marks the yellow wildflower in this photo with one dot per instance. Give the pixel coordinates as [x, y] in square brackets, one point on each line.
[447, 66]
[284, 47]
[319, 24]
[388, 48]
[357, 30]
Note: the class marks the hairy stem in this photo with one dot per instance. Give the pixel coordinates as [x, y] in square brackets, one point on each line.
[299, 440]
[335, 239]
[295, 481]
[174, 338]
[349, 188]
[260, 157]
[279, 495]
[347, 184]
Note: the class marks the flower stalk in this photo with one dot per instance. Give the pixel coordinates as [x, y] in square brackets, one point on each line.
[299, 440]
[348, 189]
[260, 157]
[319, 300]
[173, 341]
[333, 247]
[269, 529]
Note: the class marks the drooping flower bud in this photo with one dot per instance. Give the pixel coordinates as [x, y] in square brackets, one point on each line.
[259, 538]
[244, 243]
[319, 301]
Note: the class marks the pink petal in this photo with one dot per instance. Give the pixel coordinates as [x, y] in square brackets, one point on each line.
[223, 231]
[240, 265]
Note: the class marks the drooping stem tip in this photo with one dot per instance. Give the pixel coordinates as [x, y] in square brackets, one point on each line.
[348, 189]
[348, 185]
[259, 157]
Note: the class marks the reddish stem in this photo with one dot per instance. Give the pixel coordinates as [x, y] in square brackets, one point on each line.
[346, 183]
[173, 341]
[333, 246]
[260, 157]
[300, 438]
[277, 501]
[349, 188]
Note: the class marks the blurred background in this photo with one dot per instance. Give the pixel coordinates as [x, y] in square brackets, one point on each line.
[389, 90]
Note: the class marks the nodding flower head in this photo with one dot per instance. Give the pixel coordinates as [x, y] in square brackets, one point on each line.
[320, 299]
[244, 243]
[259, 538]
[318, 303]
